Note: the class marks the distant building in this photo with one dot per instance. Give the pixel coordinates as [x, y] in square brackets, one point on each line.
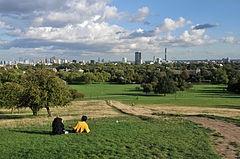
[26, 62]
[46, 61]
[99, 60]
[53, 60]
[59, 61]
[92, 61]
[138, 58]
[64, 60]
[226, 60]
[124, 60]
[154, 59]
[158, 61]
[82, 62]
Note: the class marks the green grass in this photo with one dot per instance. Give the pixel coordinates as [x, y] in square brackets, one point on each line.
[199, 95]
[129, 138]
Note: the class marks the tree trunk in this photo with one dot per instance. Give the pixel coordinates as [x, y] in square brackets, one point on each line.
[48, 111]
[12, 110]
[35, 113]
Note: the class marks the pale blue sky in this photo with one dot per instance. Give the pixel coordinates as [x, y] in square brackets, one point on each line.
[86, 29]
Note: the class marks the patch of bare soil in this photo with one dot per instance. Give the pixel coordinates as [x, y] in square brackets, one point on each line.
[93, 109]
[227, 135]
[224, 112]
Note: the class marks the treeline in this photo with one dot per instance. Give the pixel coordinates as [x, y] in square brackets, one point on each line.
[177, 76]
[156, 78]
[125, 73]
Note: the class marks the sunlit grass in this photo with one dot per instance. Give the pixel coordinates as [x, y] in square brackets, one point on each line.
[199, 95]
[130, 137]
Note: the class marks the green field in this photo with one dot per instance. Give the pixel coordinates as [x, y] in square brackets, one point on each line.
[129, 138]
[199, 95]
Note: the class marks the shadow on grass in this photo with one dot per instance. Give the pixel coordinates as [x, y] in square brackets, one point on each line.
[229, 106]
[219, 96]
[211, 91]
[137, 94]
[134, 90]
[12, 116]
[216, 93]
[2, 112]
[39, 132]
[212, 87]
[234, 97]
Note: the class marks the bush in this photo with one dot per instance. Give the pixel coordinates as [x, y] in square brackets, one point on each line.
[137, 88]
[76, 95]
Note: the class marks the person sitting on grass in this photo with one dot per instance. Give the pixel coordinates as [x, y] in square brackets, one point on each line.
[82, 126]
[58, 127]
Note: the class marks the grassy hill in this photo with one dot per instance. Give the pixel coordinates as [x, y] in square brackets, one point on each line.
[130, 137]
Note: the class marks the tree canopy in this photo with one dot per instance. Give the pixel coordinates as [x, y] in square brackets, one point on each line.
[37, 89]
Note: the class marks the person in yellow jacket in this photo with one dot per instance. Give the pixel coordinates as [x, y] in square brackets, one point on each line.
[82, 126]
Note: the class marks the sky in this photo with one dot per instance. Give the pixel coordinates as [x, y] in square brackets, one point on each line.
[113, 29]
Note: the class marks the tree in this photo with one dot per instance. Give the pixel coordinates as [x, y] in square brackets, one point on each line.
[185, 75]
[10, 93]
[88, 78]
[9, 75]
[165, 85]
[219, 76]
[43, 89]
[147, 87]
[234, 85]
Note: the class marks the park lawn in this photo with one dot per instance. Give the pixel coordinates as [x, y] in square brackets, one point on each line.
[130, 137]
[199, 95]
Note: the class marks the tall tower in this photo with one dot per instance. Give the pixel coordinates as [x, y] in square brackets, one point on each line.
[165, 54]
[138, 58]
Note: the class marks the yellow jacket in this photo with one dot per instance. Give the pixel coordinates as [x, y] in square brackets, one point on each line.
[81, 127]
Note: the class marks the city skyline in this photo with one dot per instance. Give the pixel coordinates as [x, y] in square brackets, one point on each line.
[113, 29]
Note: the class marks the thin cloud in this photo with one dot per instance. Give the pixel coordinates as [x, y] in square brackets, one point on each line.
[139, 34]
[204, 26]
[141, 15]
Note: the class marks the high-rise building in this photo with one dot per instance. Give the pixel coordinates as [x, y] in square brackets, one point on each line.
[53, 60]
[46, 61]
[138, 58]
[154, 58]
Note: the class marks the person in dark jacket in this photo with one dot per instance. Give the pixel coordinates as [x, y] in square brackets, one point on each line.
[58, 126]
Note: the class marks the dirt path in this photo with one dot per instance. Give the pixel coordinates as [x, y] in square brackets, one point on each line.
[227, 142]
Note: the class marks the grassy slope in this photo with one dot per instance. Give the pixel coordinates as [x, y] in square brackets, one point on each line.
[129, 138]
[199, 95]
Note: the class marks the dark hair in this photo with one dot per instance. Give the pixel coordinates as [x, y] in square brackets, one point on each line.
[84, 118]
[57, 119]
